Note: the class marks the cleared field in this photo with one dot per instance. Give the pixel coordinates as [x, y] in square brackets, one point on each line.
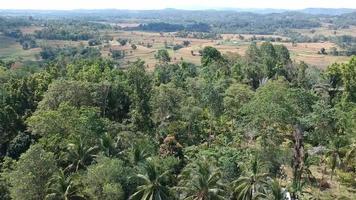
[12, 50]
[249, 36]
[326, 31]
[148, 43]
[61, 43]
[30, 29]
[307, 52]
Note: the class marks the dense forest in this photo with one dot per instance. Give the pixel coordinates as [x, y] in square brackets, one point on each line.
[78, 122]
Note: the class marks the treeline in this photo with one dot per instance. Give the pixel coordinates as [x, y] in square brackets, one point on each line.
[57, 33]
[198, 35]
[243, 23]
[195, 21]
[168, 27]
[72, 53]
[69, 30]
[233, 128]
[7, 23]
[27, 41]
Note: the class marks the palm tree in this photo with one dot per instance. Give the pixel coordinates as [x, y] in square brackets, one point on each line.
[138, 154]
[62, 188]
[109, 145]
[201, 182]
[350, 157]
[334, 157]
[304, 179]
[275, 191]
[251, 186]
[80, 155]
[153, 184]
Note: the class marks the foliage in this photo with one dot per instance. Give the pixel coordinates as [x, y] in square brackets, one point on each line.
[163, 56]
[153, 184]
[31, 174]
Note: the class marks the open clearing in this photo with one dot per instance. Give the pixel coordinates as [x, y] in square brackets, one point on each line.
[148, 43]
[307, 52]
[12, 50]
[326, 31]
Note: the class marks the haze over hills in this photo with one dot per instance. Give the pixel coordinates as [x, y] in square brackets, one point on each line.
[313, 11]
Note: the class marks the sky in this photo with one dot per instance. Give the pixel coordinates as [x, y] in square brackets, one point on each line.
[180, 4]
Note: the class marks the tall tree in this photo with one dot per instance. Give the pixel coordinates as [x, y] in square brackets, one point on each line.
[153, 185]
[31, 174]
[201, 181]
[252, 185]
[141, 87]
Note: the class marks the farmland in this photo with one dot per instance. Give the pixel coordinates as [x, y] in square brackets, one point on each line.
[230, 43]
[307, 52]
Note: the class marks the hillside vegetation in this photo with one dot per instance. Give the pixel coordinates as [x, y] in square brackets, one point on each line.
[93, 110]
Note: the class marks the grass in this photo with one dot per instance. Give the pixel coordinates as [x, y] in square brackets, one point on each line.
[12, 50]
[324, 30]
[230, 43]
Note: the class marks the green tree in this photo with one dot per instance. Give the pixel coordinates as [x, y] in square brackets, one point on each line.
[282, 54]
[62, 187]
[31, 174]
[235, 97]
[201, 181]
[348, 72]
[210, 55]
[269, 57]
[80, 154]
[104, 179]
[122, 41]
[166, 102]
[56, 128]
[252, 185]
[162, 55]
[153, 185]
[141, 86]
[275, 190]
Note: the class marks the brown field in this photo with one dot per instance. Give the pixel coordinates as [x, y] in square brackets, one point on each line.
[12, 50]
[324, 30]
[61, 43]
[30, 29]
[230, 43]
[248, 36]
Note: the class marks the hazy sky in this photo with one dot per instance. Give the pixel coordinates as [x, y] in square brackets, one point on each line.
[185, 4]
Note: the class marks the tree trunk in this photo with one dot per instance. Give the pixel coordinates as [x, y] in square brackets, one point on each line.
[298, 157]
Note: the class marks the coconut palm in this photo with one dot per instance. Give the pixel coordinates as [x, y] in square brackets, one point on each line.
[109, 145]
[138, 154]
[201, 182]
[153, 186]
[334, 157]
[305, 179]
[61, 187]
[252, 185]
[350, 157]
[80, 155]
[275, 191]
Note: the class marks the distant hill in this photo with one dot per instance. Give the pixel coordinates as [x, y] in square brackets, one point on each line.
[328, 11]
[312, 11]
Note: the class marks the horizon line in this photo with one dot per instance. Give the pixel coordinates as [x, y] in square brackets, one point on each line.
[168, 8]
